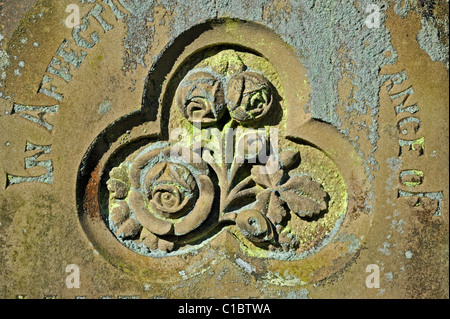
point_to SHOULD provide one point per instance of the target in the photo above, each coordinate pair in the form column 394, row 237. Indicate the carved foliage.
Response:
column 161, row 198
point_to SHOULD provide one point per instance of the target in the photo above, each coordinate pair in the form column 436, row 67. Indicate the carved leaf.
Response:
column 301, row 205
column 306, row 186
column 119, row 173
column 265, row 178
column 271, row 205
column 276, row 212
column 262, row 201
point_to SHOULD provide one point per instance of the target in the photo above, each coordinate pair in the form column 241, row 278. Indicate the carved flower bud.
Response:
column 289, row 159
column 200, row 98
column 254, row 226
column 249, row 96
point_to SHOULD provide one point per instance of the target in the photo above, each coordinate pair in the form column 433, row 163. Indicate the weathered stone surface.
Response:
column 196, row 149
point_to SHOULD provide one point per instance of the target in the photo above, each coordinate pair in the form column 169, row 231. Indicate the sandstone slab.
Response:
column 222, row 149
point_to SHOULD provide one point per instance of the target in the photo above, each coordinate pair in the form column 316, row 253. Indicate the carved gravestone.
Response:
column 197, row 149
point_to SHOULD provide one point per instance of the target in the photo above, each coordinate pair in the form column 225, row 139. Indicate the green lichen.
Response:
column 414, row 184
column 420, row 141
column 4, row 60
column 124, row 138
column 226, row 62
column 287, row 280
column 417, row 172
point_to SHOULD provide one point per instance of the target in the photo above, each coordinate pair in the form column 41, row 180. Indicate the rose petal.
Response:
column 170, row 212
column 201, row 210
column 182, row 176
column 155, row 173
column 130, row 228
column 248, row 96
column 170, row 200
column 141, row 162
column 200, row 97
column 151, row 241
column 120, row 213
column 146, row 218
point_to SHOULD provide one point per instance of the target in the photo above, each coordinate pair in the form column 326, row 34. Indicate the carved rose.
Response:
column 170, row 188
column 162, row 197
column 249, row 96
column 200, row 98
column 172, row 200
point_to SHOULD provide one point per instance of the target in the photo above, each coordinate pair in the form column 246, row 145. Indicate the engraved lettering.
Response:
column 41, row 112
column 50, row 92
column 396, row 79
column 417, row 145
column 411, row 178
column 95, row 12
column 409, row 125
column 117, row 13
column 424, row 201
column 32, row 162
column 61, row 71
column 409, row 91
column 70, row 57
